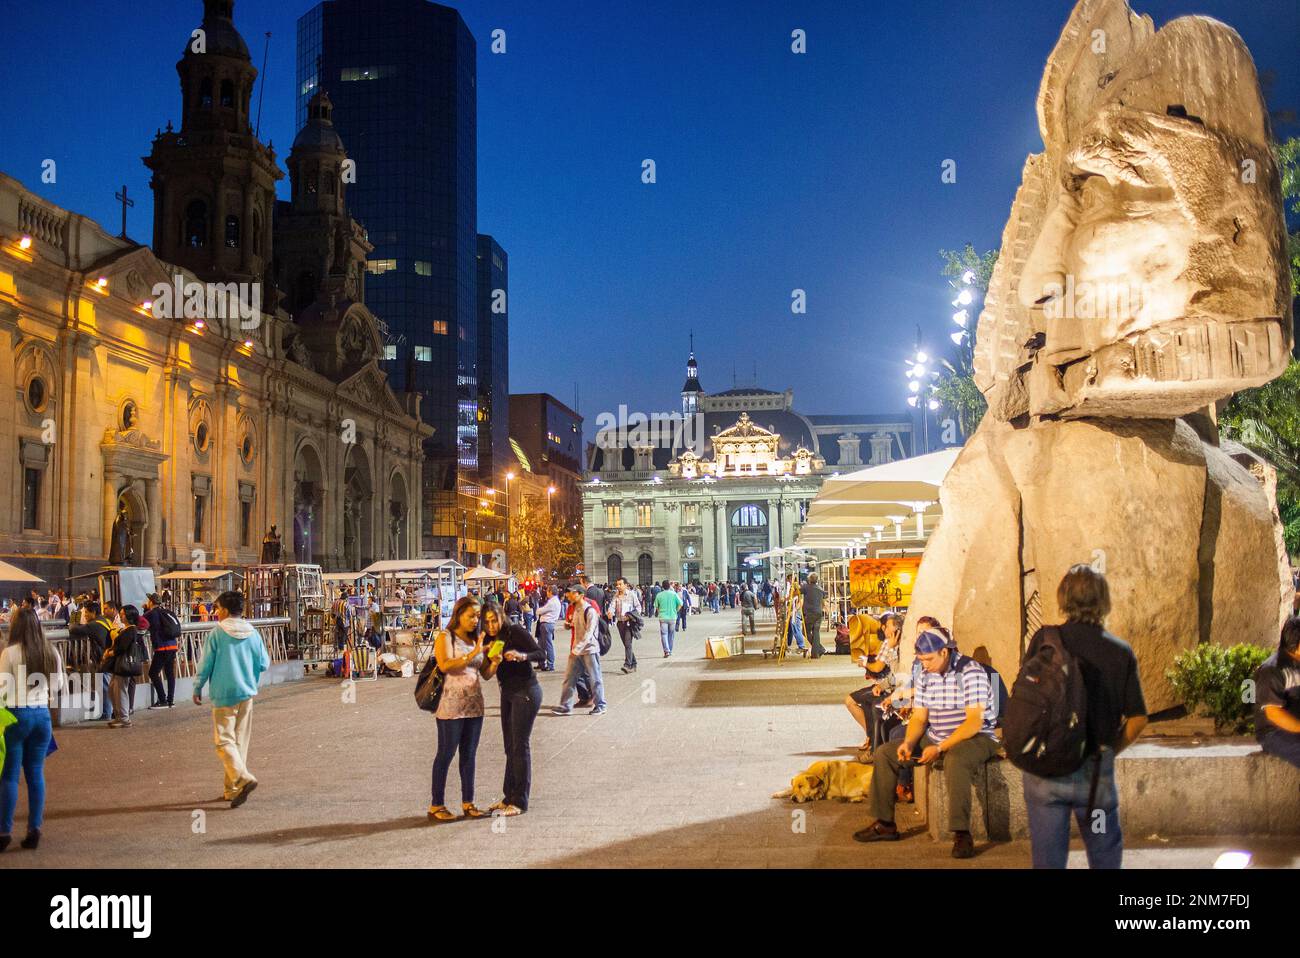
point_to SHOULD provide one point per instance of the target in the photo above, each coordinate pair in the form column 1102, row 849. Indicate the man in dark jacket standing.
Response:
column 161, row 621
column 1115, row 717
column 813, row 612
column 97, row 629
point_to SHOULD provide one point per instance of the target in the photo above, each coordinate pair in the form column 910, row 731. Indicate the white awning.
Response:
column 412, row 565
column 11, row 573
column 192, row 576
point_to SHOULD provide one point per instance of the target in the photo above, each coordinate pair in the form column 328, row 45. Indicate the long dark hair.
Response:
column 457, row 610
column 39, row 657
column 495, row 609
column 1290, row 640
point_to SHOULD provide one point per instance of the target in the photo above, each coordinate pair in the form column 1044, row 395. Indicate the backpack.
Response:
column 1045, row 726
column 171, row 626
column 132, row 661
column 603, row 637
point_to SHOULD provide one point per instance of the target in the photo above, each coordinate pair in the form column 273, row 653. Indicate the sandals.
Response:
column 510, row 811
column 440, row 813
column 472, row 811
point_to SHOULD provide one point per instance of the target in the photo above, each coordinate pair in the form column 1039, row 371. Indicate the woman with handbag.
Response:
column 27, row 739
column 521, row 699
column 124, row 661
column 458, row 652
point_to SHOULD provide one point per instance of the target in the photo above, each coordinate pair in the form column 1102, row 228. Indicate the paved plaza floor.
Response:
column 679, row 772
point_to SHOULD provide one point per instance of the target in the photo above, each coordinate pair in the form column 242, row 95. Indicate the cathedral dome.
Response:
column 318, row 132
column 220, row 35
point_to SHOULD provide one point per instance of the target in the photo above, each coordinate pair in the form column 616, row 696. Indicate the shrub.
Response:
column 1218, row 681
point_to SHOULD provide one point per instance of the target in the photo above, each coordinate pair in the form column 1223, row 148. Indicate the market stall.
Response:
column 188, row 594
column 415, row 598
column 296, row 592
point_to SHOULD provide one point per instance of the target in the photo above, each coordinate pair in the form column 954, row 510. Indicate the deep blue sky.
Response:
column 775, row 171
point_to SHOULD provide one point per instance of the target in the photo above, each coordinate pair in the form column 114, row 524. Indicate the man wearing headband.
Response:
column 949, row 720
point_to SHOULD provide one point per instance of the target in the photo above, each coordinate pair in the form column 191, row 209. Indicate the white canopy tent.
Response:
column 11, row 573
column 859, row 506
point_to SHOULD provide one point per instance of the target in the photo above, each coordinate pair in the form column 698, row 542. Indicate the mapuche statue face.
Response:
column 1143, row 273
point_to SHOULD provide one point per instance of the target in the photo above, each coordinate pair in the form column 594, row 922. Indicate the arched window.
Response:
column 232, row 232
column 227, row 93
column 748, row 516
column 205, row 93
column 614, row 567
column 645, row 569
column 195, row 232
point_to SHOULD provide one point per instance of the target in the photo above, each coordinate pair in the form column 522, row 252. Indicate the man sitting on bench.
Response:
column 950, row 718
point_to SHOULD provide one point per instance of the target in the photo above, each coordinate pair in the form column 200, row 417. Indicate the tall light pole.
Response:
column 509, row 477
column 921, row 384
column 550, row 491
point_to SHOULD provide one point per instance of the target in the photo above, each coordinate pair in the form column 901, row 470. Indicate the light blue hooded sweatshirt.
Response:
column 234, row 658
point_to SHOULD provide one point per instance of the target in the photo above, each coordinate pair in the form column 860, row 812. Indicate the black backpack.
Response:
column 1045, row 727
column 603, row 635
column 132, row 661
column 171, row 626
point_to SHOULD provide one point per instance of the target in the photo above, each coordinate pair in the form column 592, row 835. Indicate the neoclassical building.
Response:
column 225, row 380
column 734, row 482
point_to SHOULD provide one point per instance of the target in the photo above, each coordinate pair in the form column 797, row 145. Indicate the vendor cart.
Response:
column 415, row 598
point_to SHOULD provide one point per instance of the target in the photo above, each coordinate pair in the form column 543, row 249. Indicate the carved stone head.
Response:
column 1143, row 269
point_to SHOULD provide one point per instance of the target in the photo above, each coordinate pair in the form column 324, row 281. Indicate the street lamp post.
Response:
column 550, row 491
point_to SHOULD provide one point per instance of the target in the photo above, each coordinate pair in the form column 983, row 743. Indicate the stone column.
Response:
column 153, row 531
column 709, row 527
column 109, row 509
column 773, row 533
column 724, row 544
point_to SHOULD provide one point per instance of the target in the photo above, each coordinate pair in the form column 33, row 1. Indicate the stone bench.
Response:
column 1230, row 788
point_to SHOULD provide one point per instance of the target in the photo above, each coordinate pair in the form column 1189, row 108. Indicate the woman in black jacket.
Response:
column 125, row 662
column 521, row 698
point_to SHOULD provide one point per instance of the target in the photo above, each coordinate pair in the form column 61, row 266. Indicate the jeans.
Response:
column 529, row 619
column 960, row 763
column 26, row 742
column 518, row 712
column 456, row 734
column 747, row 619
column 682, row 613
column 906, row 774
column 796, row 632
column 1285, row 745
column 546, row 639
column 629, row 656
column 590, row 662
column 106, row 700
column 1051, row 802
column 814, row 633
column 666, row 629
column 163, row 662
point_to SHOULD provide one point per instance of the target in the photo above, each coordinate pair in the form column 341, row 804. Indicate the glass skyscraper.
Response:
column 401, row 75
column 493, row 361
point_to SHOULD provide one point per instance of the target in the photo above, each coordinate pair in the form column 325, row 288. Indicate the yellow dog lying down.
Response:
column 845, row 781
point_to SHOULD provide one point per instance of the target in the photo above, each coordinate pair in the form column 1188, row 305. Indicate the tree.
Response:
column 1267, row 419
column 540, row 540
column 956, row 388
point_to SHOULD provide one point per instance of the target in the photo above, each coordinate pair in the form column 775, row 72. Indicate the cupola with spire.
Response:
column 691, row 391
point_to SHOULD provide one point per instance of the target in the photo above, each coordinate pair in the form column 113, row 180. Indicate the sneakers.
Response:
column 963, row 846
column 561, row 710
column 627, row 671
column 599, row 710
column 242, row 795
column 158, row 705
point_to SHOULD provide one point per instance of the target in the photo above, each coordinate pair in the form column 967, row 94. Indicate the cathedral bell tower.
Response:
column 213, row 181
column 320, row 250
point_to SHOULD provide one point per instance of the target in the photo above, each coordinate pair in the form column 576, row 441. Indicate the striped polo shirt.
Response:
column 947, row 695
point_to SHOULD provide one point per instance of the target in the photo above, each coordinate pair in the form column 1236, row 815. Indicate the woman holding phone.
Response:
column 460, row 654
column 521, row 698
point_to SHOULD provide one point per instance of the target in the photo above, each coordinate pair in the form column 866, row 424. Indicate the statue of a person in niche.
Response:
column 271, row 547
column 121, row 550
column 395, row 516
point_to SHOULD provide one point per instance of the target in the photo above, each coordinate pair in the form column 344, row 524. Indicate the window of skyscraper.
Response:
column 440, row 327
column 423, row 268
column 424, row 354
column 377, row 266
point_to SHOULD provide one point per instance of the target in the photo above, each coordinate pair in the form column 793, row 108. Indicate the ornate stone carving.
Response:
column 1142, row 277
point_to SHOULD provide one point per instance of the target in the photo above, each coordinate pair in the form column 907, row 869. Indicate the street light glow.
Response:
column 968, row 277
column 964, row 297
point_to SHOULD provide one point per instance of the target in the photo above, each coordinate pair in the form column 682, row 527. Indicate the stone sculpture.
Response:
column 1142, row 279
column 271, row 547
column 121, row 551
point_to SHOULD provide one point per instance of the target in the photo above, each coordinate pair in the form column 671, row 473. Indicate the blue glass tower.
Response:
column 401, row 75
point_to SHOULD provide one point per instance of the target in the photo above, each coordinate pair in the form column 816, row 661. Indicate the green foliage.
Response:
column 955, row 263
column 1213, row 680
column 1288, row 161
column 956, row 388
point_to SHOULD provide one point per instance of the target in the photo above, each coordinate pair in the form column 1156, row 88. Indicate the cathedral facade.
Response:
column 191, row 395
column 729, row 478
